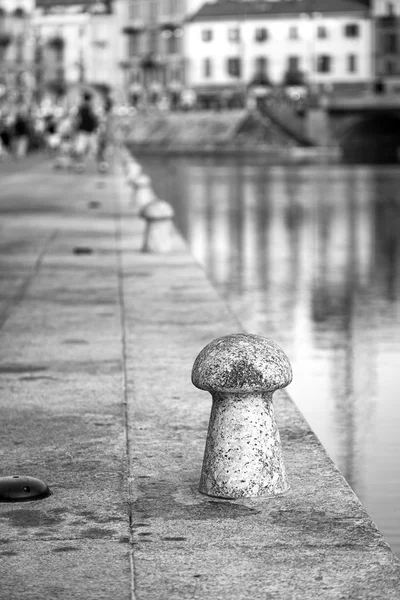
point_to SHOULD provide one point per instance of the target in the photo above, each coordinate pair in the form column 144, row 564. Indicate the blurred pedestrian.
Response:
column 21, row 133
column 65, row 133
column 105, row 136
column 86, row 125
column 51, row 136
column 5, row 137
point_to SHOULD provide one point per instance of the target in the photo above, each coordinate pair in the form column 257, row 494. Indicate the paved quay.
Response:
column 97, row 345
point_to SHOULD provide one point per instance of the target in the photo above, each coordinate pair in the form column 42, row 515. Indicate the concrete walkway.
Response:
column 97, row 345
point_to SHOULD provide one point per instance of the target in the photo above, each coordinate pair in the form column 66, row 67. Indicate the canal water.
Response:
column 309, row 255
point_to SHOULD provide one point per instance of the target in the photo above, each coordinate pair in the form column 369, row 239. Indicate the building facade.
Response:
column 155, row 62
column 16, row 49
column 78, row 42
column 387, row 44
column 229, row 45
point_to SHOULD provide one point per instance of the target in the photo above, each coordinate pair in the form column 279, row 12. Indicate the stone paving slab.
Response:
column 62, row 409
column 60, row 570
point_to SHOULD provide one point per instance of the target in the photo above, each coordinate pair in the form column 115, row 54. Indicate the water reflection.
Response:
column 309, row 255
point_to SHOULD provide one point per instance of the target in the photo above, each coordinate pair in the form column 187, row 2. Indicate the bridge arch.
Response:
column 372, row 138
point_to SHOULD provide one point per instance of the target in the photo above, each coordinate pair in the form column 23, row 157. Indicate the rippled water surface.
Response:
column 309, row 255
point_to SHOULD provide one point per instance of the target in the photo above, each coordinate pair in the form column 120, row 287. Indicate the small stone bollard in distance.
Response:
column 243, row 456
column 134, row 171
column 158, row 235
column 126, row 159
column 143, row 193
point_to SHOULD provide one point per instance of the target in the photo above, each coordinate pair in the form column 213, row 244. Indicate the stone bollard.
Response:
column 126, row 158
column 243, row 455
column 134, row 171
column 143, row 193
column 158, row 235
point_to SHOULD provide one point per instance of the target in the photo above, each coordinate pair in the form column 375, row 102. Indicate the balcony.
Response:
column 151, row 62
column 5, row 40
column 294, row 78
column 170, row 23
column 134, row 28
column 56, row 43
column 388, row 22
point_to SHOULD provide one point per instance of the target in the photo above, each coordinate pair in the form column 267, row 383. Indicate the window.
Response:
column 293, row 33
column 176, row 7
column 322, row 32
column 153, row 41
column 352, row 30
column 135, row 10
column 176, row 74
column 293, row 63
column 234, row 67
column 389, row 68
column 261, row 34
column 207, row 68
column 207, row 35
column 390, row 43
column 172, row 44
column 172, row 40
column 324, row 63
column 134, row 44
column 352, row 63
column 260, row 64
column 151, row 7
column 234, row 35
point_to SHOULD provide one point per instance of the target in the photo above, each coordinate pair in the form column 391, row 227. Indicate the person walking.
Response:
column 86, row 126
column 4, row 138
column 51, row 136
column 105, row 142
column 21, row 133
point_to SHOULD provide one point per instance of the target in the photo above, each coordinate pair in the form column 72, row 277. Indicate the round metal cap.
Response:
column 19, row 488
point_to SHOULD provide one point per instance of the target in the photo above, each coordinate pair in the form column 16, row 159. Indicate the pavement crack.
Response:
column 23, row 288
column 121, row 297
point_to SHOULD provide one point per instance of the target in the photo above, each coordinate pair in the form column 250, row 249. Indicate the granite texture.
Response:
column 134, row 173
column 64, row 570
column 241, row 363
column 158, row 210
column 144, row 193
column 243, row 455
column 159, row 231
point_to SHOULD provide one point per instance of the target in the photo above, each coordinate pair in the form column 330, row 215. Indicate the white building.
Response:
column 154, row 59
column 79, row 41
column 228, row 43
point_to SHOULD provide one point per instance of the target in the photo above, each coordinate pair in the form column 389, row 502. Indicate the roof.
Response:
column 225, row 9
column 55, row 3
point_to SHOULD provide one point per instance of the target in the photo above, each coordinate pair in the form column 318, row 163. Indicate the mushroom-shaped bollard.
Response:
column 158, row 235
column 126, row 158
column 143, row 192
column 134, row 172
column 243, row 456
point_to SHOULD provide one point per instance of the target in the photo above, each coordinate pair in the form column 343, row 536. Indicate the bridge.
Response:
column 366, row 128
